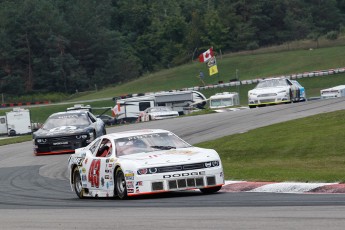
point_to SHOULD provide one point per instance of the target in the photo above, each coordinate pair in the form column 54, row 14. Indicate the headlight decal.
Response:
column 175, row 168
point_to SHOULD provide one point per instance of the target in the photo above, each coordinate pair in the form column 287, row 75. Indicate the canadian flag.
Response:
column 204, row 57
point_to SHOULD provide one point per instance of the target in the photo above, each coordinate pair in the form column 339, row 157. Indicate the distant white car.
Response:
column 273, row 91
column 142, row 162
column 158, row 113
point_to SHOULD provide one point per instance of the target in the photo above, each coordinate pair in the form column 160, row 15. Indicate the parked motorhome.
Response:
column 129, row 108
column 225, row 99
column 334, row 92
column 16, row 122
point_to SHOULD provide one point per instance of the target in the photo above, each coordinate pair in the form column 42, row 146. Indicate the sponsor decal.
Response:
column 112, row 160
column 139, row 183
column 182, row 175
column 137, row 190
column 106, row 177
column 129, row 174
column 107, row 161
column 84, row 185
column 130, row 186
column 83, row 170
column 110, row 165
column 63, row 128
column 130, row 190
column 102, row 182
column 83, row 177
column 79, row 161
column 61, row 143
column 106, row 171
column 86, row 160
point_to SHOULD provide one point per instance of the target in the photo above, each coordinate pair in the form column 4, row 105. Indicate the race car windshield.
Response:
column 66, row 120
column 271, row 83
column 148, row 143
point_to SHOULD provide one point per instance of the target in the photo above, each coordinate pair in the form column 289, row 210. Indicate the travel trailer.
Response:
column 225, row 99
column 334, row 92
column 15, row 122
column 129, row 108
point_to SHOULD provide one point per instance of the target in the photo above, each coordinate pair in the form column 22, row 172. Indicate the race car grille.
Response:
column 267, row 95
column 267, row 100
column 211, row 180
column 172, row 184
column 180, row 167
column 182, row 183
column 56, row 144
column 66, row 138
column 186, row 183
column 157, row 186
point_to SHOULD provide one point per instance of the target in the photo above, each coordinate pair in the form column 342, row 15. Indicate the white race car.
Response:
column 273, row 91
column 158, row 113
column 143, row 162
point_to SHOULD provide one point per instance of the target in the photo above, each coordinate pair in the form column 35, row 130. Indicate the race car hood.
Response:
column 166, row 157
column 268, row 90
column 61, row 130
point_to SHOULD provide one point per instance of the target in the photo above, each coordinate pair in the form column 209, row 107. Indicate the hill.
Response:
column 248, row 65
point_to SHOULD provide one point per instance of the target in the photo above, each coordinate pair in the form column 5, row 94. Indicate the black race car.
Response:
column 64, row 132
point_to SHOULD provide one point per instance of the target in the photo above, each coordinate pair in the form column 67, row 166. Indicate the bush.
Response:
column 332, row 35
column 252, row 46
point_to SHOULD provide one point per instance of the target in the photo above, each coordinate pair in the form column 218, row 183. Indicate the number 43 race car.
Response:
column 143, row 162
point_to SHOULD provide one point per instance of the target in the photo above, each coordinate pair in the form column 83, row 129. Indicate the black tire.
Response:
column 77, row 183
column 104, row 131
column 12, row 132
column 120, row 184
column 252, row 106
column 291, row 96
column 210, row 190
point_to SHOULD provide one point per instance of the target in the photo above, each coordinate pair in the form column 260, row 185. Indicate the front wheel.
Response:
column 78, row 188
column 210, row 190
column 120, row 184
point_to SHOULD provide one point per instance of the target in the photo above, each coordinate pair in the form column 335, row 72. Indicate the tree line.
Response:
column 69, row 45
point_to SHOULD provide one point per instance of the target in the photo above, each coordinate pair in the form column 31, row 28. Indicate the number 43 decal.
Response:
column 94, row 173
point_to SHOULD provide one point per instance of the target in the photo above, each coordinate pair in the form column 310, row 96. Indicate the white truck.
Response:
column 16, row 122
column 128, row 109
column 225, row 99
column 334, row 92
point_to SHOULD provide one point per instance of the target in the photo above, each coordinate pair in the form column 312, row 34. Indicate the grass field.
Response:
column 308, row 149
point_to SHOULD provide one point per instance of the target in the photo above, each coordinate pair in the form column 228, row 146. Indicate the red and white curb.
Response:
column 283, row 187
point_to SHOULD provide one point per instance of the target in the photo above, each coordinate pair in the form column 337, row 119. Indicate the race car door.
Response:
column 100, row 170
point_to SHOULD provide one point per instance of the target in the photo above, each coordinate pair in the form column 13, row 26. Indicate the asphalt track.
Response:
column 35, row 193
